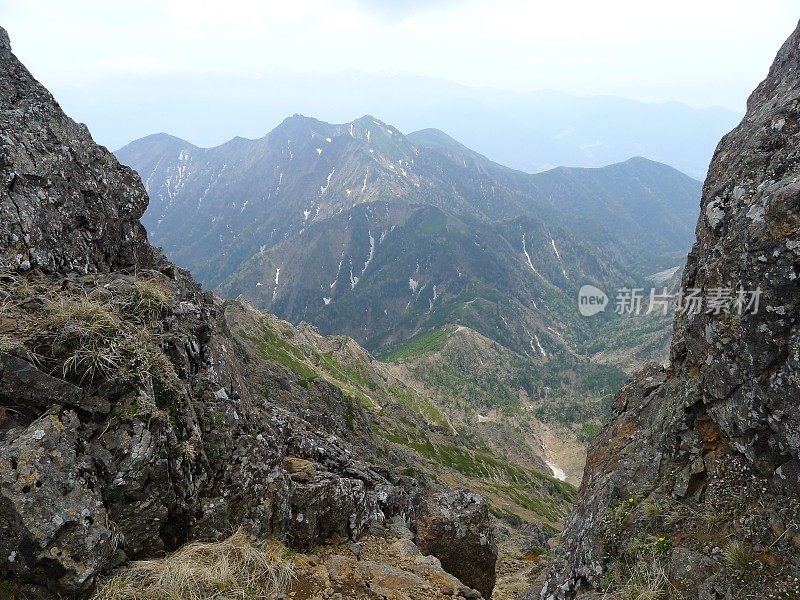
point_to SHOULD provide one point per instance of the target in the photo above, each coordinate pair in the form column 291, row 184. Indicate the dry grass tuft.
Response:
column 234, row 568
column 85, row 334
column 89, row 339
column 648, row 581
column 738, row 555
column 741, row 561
column 83, row 316
column 148, row 298
column 16, row 289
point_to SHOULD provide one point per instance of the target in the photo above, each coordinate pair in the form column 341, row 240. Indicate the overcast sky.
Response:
column 698, row 52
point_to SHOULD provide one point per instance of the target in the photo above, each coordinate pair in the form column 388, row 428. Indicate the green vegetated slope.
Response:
column 406, row 419
column 508, row 401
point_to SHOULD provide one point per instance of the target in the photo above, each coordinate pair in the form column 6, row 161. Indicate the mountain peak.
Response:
column 646, row 165
column 368, row 119
column 166, row 138
column 298, row 118
column 433, row 137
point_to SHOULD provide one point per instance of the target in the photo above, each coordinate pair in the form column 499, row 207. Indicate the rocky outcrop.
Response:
column 703, row 457
column 98, row 471
column 454, row 525
column 65, row 202
column 132, row 419
column 382, row 566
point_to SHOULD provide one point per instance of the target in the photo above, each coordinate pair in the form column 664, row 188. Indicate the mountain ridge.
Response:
column 530, row 131
column 510, row 206
column 372, row 185
column 389, row 239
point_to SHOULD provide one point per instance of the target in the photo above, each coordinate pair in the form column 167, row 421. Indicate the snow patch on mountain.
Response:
column 528, row 256
column 371, row 253
column 558, row 256
column 323, row 188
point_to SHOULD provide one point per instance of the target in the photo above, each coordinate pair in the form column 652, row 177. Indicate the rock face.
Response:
column 132, row 419
column 65, row 202
column 704, row 457
column 455, row 525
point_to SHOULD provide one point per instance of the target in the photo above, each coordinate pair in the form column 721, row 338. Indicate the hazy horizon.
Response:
column 122, row 68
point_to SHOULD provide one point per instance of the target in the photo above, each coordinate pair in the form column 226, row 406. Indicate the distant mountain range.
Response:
column 403, row 241
column 529, row 131
column 365, row 231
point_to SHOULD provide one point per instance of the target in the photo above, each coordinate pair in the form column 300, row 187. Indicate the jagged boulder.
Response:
column 455, row 528
column 53, row 525
column 702, row 457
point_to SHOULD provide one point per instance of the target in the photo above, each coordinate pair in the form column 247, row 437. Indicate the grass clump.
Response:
column 233, row 568
column 737, row 555
column 741, row 561
column 16, row 289
column 87, row 339
column 647, row 581
column 86, row 335
column 148, row 298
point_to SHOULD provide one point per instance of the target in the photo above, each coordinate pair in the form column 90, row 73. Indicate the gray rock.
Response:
column 26, row 391
column 53, row 525
column 689, row 570
column 355, row 548
column 535, row 538
column 455, row 527
column 55, row 182
column 399, row 528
